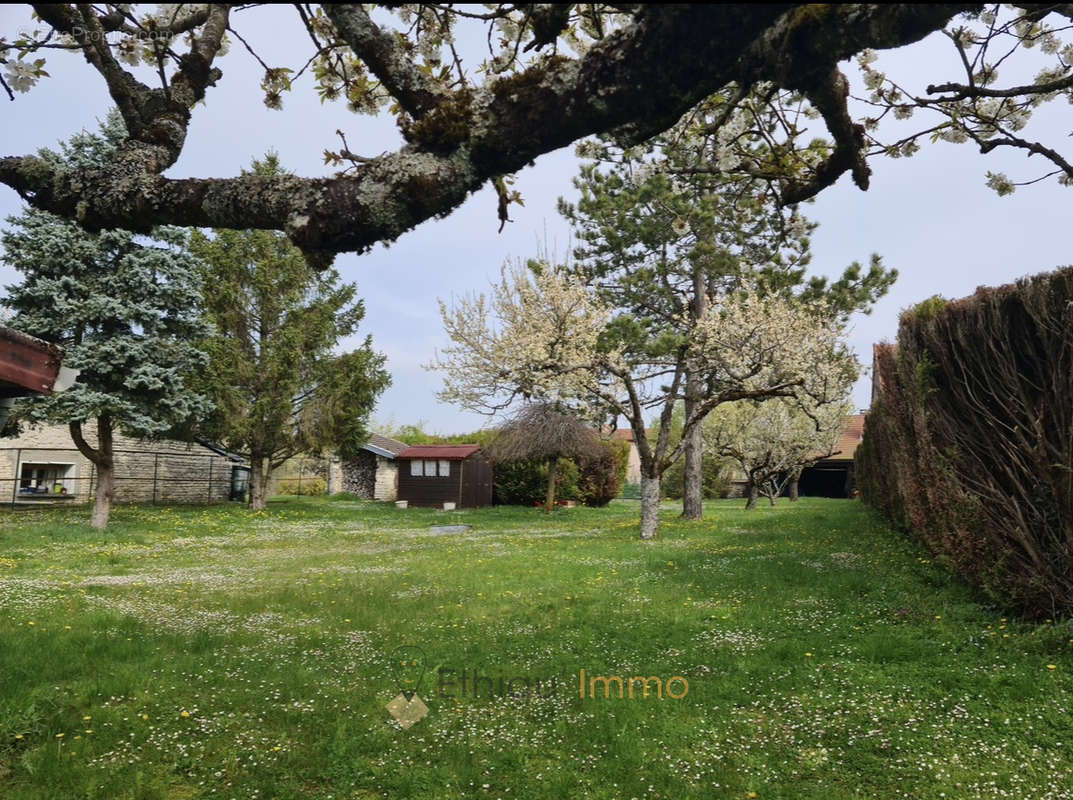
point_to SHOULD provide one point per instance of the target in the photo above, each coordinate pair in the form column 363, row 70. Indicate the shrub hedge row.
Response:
column 592, row 481
column 969, row 441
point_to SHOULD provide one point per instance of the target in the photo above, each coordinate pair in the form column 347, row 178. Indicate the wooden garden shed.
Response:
column 431, row 475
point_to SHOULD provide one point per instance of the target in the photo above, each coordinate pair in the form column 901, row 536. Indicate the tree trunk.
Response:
column 752, row 492
column 693, row 488
column 103, row 459
column 258, row 484
column 771, row 496
column 794, row 480
column 553, row 475
column 649, row 506
column 102, row 499
column 693, row 484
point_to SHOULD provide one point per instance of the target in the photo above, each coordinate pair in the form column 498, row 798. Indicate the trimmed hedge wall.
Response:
column 969, row 441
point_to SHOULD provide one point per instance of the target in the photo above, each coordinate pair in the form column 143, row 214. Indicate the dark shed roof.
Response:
column 446, row 451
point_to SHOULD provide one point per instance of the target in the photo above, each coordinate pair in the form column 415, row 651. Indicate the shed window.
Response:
column 427, row 468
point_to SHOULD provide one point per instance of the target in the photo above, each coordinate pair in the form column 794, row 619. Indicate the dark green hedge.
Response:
column 969, row 441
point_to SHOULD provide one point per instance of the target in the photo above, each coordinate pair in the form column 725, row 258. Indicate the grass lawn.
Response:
column 215, row 652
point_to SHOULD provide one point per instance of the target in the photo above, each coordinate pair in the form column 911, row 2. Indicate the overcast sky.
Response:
column 931, row 216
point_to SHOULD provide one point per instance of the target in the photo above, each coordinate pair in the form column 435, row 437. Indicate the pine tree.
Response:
column 278, row 388
column 663, row 245
column 125, row 310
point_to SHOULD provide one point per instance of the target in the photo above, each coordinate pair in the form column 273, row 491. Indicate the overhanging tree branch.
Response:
column 461, row 140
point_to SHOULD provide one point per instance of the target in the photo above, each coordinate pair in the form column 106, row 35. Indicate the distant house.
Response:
column 633, row 465
column 373, row 475
column 43, row 465
column 833, row 476
column 431, row 475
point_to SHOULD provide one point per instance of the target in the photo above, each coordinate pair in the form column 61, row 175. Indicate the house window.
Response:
column 445, row 468
column 46, row 478
column 415, row 468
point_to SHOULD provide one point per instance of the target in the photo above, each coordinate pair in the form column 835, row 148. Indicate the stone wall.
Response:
column 387, row 482
column 164, row 471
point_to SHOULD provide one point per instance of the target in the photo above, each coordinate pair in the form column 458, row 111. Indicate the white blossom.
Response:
column 1000, row 183
column 20, row 75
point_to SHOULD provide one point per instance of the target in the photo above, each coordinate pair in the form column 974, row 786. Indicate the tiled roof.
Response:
column 385, row 444
column 850, row 438
column 447, row 451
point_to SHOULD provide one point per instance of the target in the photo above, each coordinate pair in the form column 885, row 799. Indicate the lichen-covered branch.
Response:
column 457, row 141
column 386, row 58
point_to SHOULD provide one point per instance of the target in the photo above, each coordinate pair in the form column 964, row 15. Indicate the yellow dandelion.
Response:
column 31, row 623
column 89, row 730
column 145, row 716
column 86, row 718
column 1052, row 666
column 18, row 736
column 60, row 735
column 808, row 655
column 184, row 714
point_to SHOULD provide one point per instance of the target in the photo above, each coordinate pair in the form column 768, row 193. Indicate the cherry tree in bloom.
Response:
column 772, row 442
column 544, row 334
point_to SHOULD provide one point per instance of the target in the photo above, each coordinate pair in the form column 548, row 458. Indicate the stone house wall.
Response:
column 387, row 479
column 146, row 471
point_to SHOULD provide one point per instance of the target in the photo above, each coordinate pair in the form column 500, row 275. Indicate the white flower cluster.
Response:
column 544, row 340
column 755, row 341
column 20, row 75
column 1001, row 184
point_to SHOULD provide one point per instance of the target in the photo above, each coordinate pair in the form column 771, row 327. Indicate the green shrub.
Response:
column 525, row 483
column 601, row 478
column 714, row 482
column 309, row 486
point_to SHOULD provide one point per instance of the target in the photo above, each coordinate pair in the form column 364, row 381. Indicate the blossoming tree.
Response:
column 546, row 332
column 772, row 442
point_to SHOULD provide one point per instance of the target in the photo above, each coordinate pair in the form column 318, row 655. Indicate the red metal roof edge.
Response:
column 445, row 451
column 28, row 363
column 30, row 341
